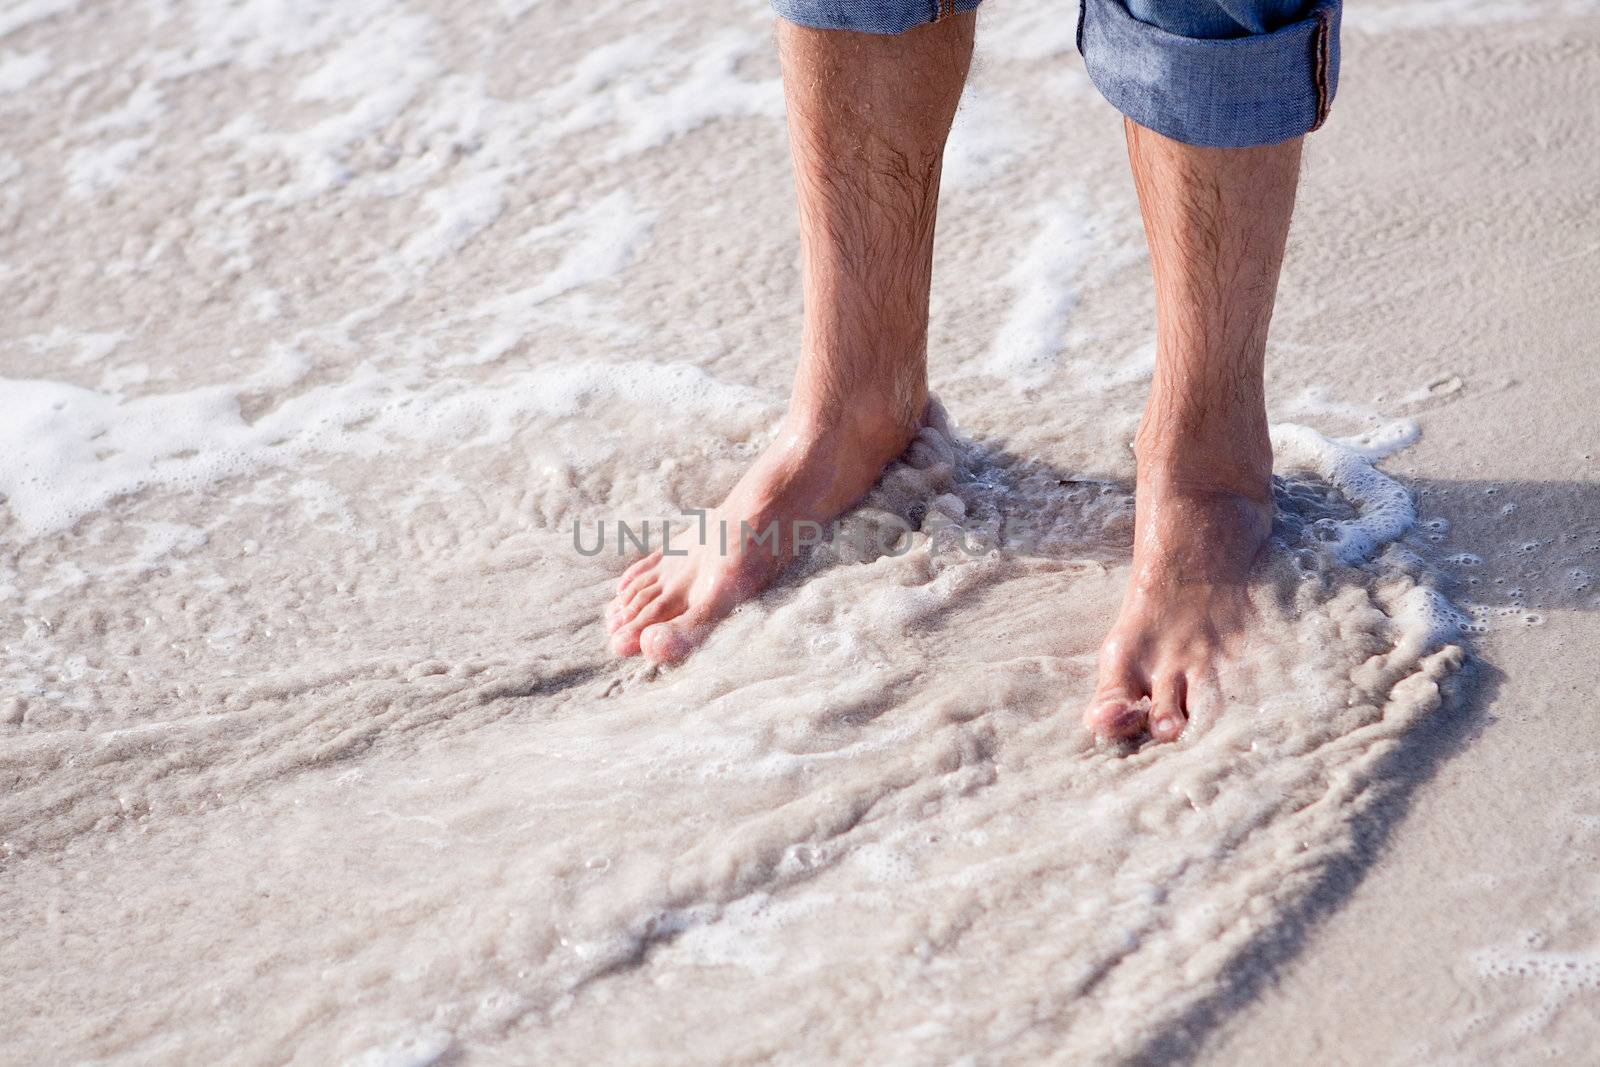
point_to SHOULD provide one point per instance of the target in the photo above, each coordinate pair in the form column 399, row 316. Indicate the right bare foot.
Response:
column 665, row 605
column 868, row 116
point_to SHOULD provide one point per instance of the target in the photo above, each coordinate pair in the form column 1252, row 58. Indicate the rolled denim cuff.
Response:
column 1218, row 92
column 868, row 16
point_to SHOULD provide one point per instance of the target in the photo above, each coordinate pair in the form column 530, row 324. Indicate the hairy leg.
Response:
column 868, row 118
column 1216, row 220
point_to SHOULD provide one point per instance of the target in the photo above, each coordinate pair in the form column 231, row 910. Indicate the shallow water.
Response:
column 333, row 321
column 414, row 806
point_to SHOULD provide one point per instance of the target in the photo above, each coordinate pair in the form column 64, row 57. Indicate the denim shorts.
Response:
column 1220, row 73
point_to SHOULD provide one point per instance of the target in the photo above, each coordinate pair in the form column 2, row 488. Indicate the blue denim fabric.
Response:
column 1227, row 73
column 869, row 16
column 1221, row 73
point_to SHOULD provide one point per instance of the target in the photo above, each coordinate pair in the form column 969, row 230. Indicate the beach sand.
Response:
column 338, row 333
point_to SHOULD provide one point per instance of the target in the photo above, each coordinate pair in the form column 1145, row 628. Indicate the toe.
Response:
column 625, row 639
column 638, row 568
column 643, row 593
column 1117, row 709
column 671, row 642
column 627, row 604
column 1116, row 716
column 1168, row 712
column 637, row 585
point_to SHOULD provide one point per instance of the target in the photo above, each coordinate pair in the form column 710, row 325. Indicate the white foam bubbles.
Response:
column 69, row 451
column 22, row 13
column 986, row 138
column 1384, row 507
column 1572, row 970
column 1426, row 617
column 1383, row 441
column 1028, row 31
column 94, row 168
column 604, row 237
column 707, row 88
column 66, row 451
column 18, row 70
column 421, row 1049
column 462, row 211
column 1071, row 250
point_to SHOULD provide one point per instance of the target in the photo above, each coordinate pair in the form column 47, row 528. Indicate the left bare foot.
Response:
column 1196, row 541
column 1216, row 220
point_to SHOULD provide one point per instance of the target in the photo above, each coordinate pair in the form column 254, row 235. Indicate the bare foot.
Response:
column 1216, row 221
column 665, row 605
column 868, row 116
column 1195, row 545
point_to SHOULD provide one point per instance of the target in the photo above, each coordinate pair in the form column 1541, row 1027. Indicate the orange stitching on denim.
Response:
column 1319, row 57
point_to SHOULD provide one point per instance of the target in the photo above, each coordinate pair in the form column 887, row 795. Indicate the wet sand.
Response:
column 329, row 325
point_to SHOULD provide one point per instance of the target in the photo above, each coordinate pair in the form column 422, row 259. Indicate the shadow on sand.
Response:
column 1497, row 532
column 1419, row 756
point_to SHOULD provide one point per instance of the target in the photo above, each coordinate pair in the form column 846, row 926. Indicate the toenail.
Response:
column 1167, row 727
column 1123, row 720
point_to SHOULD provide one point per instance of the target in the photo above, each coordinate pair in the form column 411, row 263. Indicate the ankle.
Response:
column 1237, row 463
column 877, row 423
column 875, row 439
